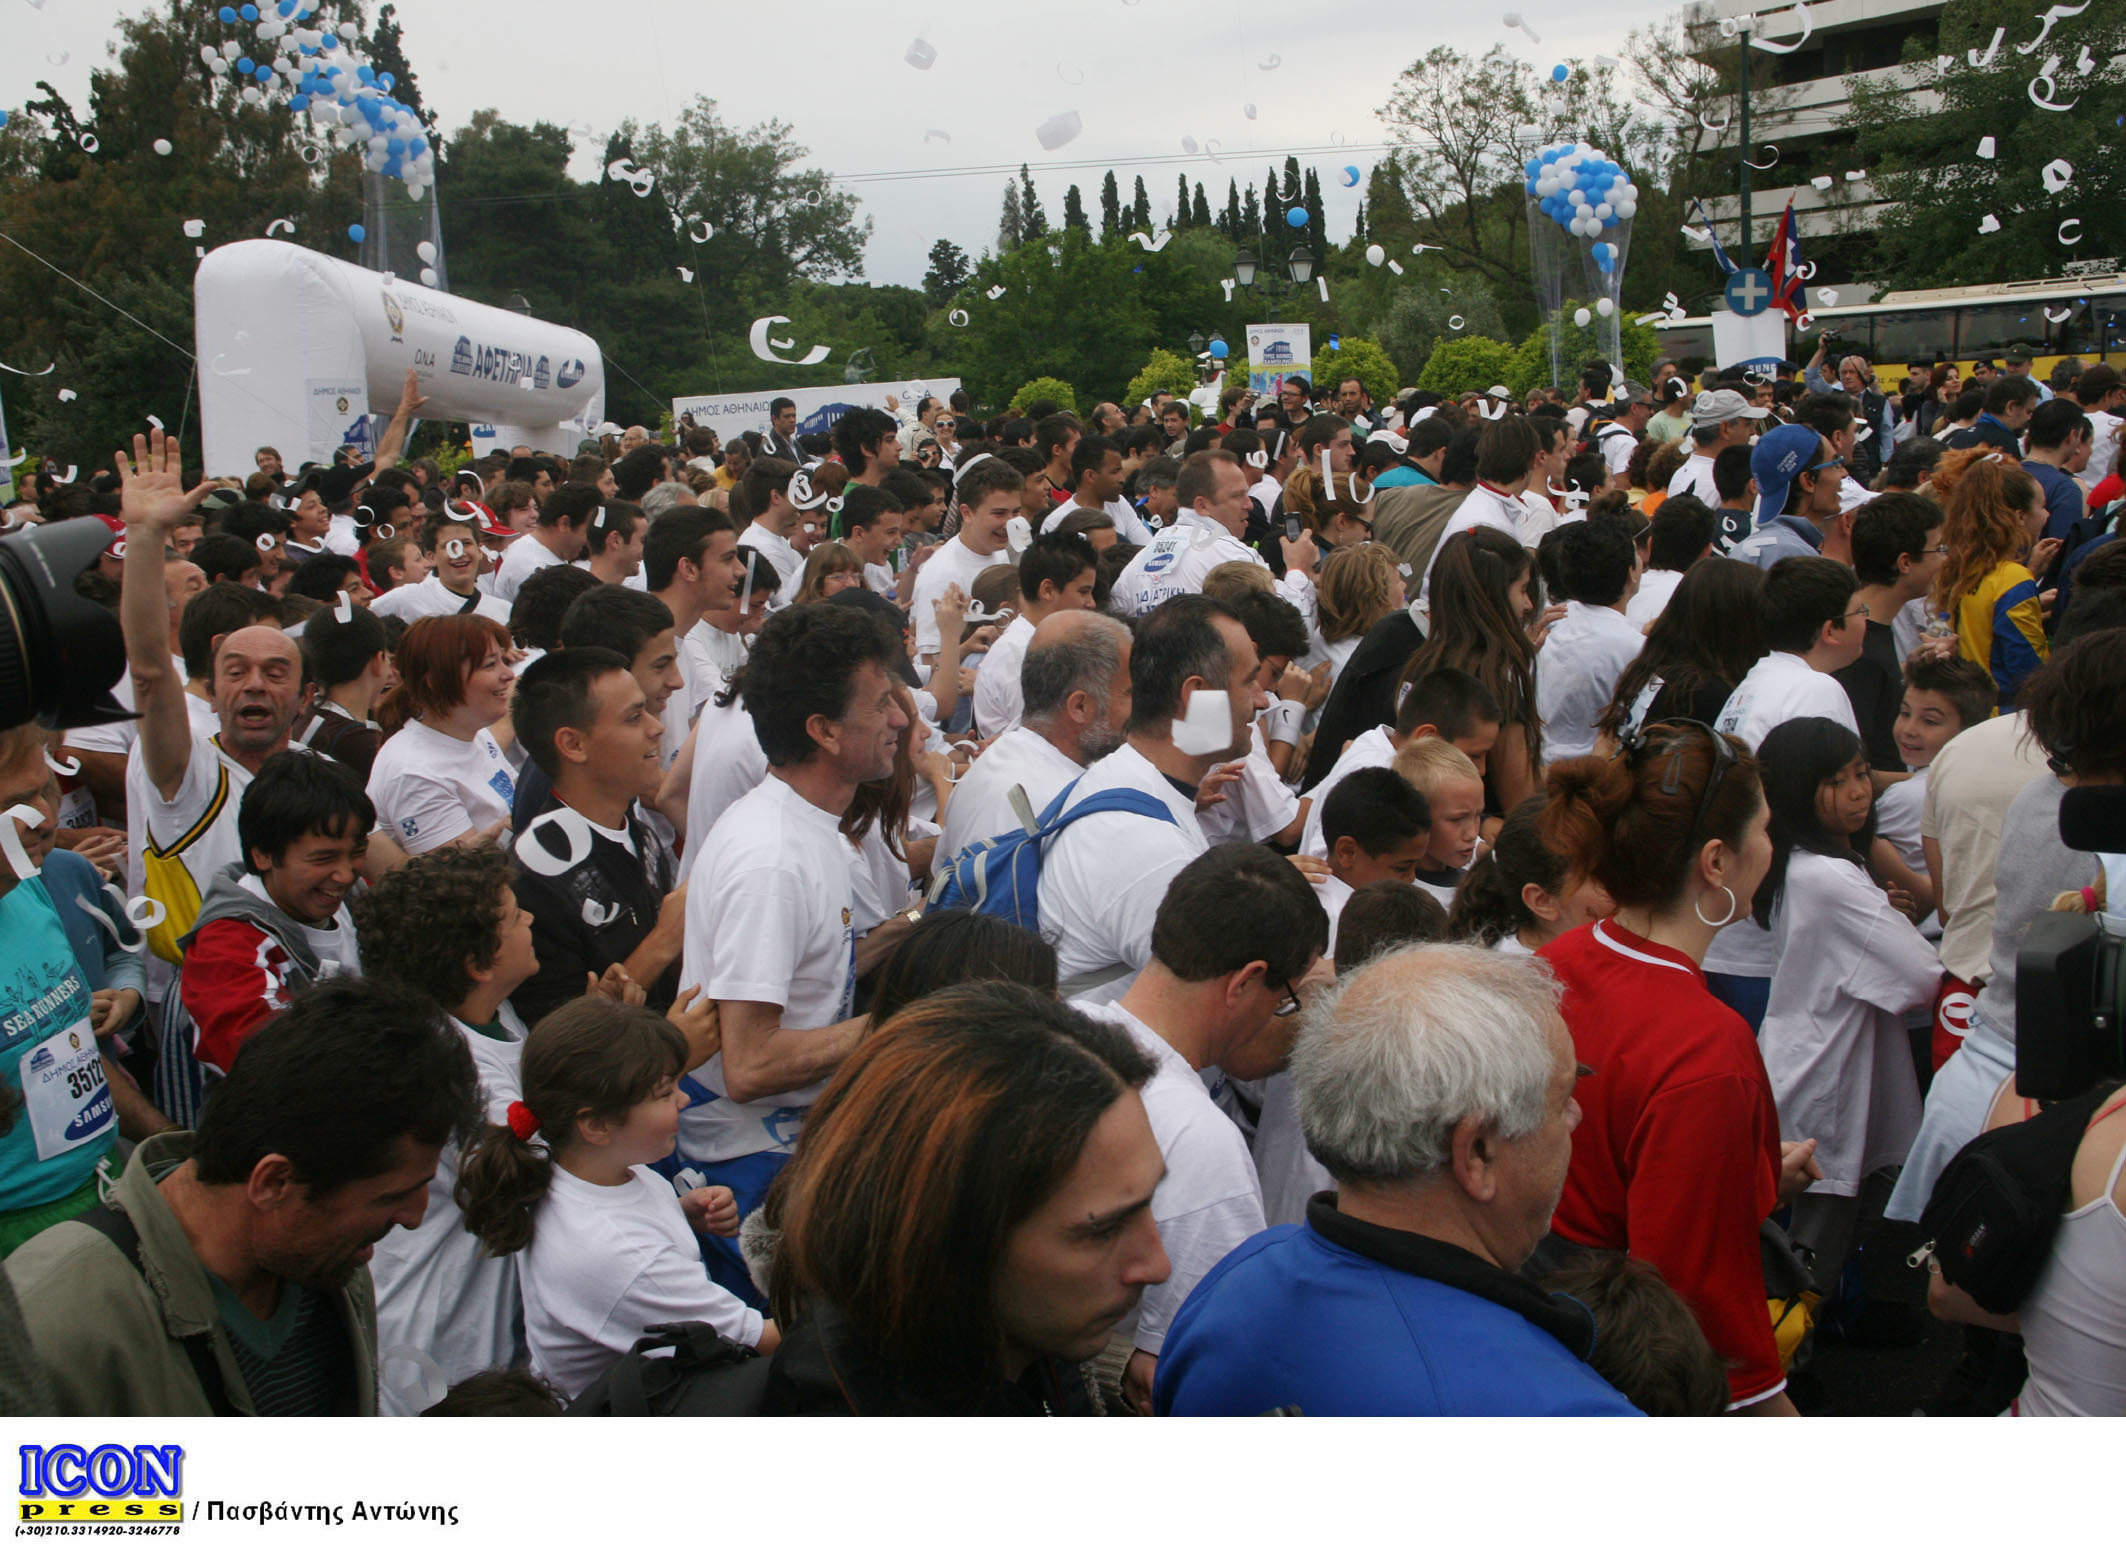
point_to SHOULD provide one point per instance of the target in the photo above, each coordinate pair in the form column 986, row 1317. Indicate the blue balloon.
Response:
column 298, row 103
column 1559, row 73
column 385, row 81
column 327, row 42
column 249, row 13
column 228, row 15
column 357, row 232
column 1296, row 217
column 1219, row 348
column 366, row 74
column 246, row 67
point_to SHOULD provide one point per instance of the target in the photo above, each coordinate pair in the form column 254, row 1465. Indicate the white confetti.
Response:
column 1059, row 131
column 2057, row 175
column 937, row 135
column 65, row 768
column 920, row 54
column 1989, row 223
column 1827, row 296
column 1396, row 266
column 686, row 275
column 1149, row 244
column 1515, row 19
column 277, row 224
column 2076, row 224
column 1808, row 27
column 195, row 228
column 155, row 423
column 2057, row 13
column 1227, row 283
column 575, row 833
column 164, row 148
column 957, row 317
column 39, row 374
column 1855, row 175
column 1070, row 75
column 18, row 857
column 700, row 229
column 344, row 612
column 2060, row 318
column 996, row 293
column 597, row 915
column 1188, row 144
column 1323, row 282
column 1762, row 166
column 2048, row 102
column 758, row 339
column 1271, row 63
column 2084, row 62
column 68, row 395
column 1821, row 181
column 1248, row 109
column 1986, row 147
column 1455, row 322
column 1993, row 48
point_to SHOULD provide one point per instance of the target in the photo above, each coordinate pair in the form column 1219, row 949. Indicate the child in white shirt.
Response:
column 604, row 1249
column 1453, row 788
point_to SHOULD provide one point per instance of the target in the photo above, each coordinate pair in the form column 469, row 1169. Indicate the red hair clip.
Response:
column 521, row 1120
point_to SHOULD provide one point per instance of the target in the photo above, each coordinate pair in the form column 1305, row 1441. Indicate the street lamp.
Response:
column 1196, row 342
column 1249, row 276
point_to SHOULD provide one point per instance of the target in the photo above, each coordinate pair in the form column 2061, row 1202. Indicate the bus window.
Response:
column 1995, row 329
column 1920, row 336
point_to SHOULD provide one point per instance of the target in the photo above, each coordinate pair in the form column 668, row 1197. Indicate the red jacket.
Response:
column 1676, row 1158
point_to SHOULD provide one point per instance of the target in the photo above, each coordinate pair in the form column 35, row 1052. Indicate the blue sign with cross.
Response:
column 1749, row 291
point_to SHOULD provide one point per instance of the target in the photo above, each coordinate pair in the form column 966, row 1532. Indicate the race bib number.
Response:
column 65, row 1091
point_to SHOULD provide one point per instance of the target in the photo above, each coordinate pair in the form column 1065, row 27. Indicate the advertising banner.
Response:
column 817, row 407
column 1275, row 351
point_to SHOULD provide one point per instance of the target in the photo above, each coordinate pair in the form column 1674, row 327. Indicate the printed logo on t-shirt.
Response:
column 410, row 827
column 499, row 782
column 782, row 1125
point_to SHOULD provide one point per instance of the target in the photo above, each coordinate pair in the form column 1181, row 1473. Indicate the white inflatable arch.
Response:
column 297, row 349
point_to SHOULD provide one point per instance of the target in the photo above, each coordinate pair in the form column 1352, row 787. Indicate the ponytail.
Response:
column 591, row 1056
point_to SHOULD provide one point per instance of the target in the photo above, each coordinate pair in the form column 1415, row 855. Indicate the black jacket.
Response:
column 1364, row 695
column 631, row 886
column 821, row 1371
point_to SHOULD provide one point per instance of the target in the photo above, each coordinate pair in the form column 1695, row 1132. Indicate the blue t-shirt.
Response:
column 48, row 1051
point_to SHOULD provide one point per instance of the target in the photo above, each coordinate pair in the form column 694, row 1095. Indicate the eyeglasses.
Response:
column 1852, row 611
column 1826, row 465
column 1289, row 1006
column 1942, row 550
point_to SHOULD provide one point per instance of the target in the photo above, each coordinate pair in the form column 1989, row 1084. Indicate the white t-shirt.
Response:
column 1334, row 894
column 981, row 802
column 1970, row 785
column 1650, row 600
column 1898, row 811
column 1695, row 476
column 788, row 562
column 1782, row 687
column 1483, row 506
column 1833, row 1036
column 605, row 1264
column 728, row 765
column 1374, row 749
column 1256, row 806
column 1210, row 1200
column 772, row 920
column 176, row 848
column 1290, row 1175
column 879, row 884
column 1129, row 524
column 1104, row 876
column 432, row 598
column 955, row 563
column 1266, row 491
column 1177, row 562
column 436, row 1288
column 1576, row 675
column 120, row 735
column 523, row 558
column 998, row 698
column 1779, row 688
column 1617, row 444
column 711, row 656
column 430, row 788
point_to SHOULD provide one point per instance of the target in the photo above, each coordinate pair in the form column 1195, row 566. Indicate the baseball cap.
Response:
column 1629, row 392
column 1779, row 456
column 339, row 482
column 1714, row 407
column 1394, row 441
column 1499, row 392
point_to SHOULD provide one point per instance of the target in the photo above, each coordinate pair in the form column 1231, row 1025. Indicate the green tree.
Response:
column 1231, row 223
column 1918, row 144
column 1074, row 210
column 1165, row 370
column 1140, row 209
column 1199, row 211
column 1033, row 221
column 1580, row 344
column 947, row 273
column 1045, row 388
column 1011, row 225
column 1250, row 220
column 1181, row 205
column 1420, row 315
column 1110, row 206
column 1364, row 360
column 1464, row 363
column 387, row 52
column 1317, row 223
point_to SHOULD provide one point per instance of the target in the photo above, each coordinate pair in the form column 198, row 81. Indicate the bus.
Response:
column 2076, row 316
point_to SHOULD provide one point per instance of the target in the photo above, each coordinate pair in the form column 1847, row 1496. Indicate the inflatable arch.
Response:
column 297, row 349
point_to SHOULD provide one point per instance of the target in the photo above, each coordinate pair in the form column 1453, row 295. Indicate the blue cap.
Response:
column 1779, row 456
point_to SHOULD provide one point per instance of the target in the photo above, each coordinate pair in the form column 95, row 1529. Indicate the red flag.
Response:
column 1783, row 263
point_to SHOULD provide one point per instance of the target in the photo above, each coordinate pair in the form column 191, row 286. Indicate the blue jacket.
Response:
column 1777, row 537
column 1339, row 1317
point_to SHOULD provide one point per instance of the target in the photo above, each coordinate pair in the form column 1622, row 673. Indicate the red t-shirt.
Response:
column 1676, row 1158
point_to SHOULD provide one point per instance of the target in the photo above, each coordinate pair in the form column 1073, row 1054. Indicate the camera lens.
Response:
column 60, row 653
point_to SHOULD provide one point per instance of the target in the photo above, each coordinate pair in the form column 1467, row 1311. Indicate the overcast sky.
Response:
column 1141, row 76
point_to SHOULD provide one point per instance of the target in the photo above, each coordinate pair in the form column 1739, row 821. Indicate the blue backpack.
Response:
column 1002, row 876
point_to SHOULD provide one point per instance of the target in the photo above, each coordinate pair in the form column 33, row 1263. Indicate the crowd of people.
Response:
column 1465, row 905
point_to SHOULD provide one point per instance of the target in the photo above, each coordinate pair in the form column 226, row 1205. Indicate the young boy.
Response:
column 276, row 922
column 1445, row 703
column 1378, row 828
column 1453, row 789
column 1896, row 556
column 451, row 581
column 1942, row 697
column 990, row 493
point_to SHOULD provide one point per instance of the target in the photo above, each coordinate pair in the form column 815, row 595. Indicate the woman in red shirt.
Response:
column 1677, row 1158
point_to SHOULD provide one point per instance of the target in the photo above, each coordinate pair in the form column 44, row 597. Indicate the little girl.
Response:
column 1849, row 965
column 1521, row 896
column 603, row 1246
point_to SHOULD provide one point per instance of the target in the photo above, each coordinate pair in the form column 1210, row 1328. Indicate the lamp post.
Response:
column 1249, row 277
column 1196, row 343
column 1743, row 87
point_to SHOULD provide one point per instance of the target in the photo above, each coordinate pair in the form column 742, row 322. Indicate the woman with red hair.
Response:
column 441, row 777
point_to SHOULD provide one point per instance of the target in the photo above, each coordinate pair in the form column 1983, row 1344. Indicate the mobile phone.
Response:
column 1292, row 527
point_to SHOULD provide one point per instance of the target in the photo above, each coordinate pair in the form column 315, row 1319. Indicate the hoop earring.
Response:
column 1732, row 905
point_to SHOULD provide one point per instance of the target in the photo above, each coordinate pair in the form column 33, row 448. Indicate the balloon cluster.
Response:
column 317, row 65
column 1580, row 189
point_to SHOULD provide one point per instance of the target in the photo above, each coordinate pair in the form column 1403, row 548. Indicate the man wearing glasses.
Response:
column 1798, row 477
column 1232, row 949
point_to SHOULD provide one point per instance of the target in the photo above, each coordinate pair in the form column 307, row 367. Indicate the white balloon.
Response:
column 1604, row 307
column 1582, row 318
column 1605, row 210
